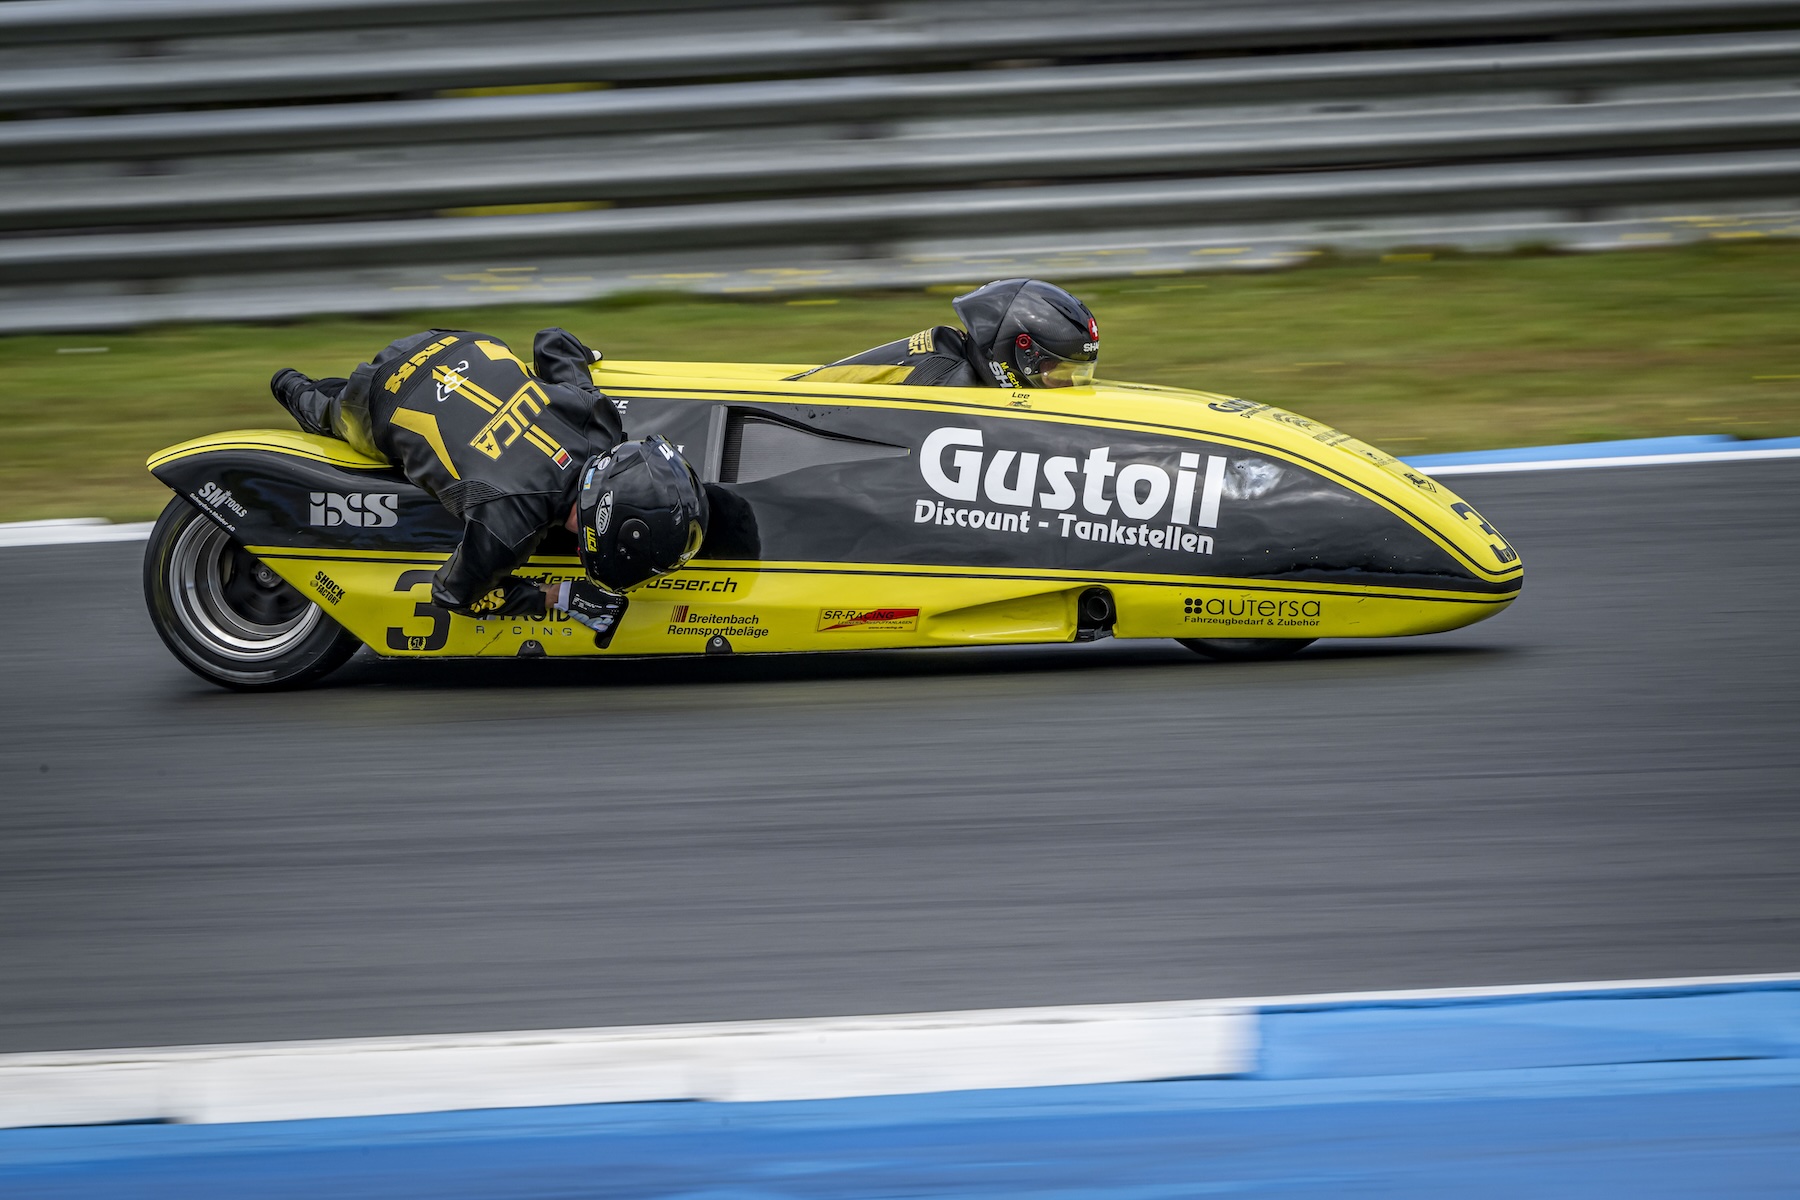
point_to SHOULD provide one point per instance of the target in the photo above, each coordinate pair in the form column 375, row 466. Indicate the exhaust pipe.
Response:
column 1094, row 615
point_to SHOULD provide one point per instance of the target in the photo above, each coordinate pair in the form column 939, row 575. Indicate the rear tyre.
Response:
column 229, row 618
column 1246, row 649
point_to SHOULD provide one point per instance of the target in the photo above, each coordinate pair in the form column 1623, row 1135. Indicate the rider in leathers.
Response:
column 501, row 445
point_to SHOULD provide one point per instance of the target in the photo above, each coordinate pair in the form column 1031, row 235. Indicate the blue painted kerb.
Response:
column 1530, row 1032
column 1672, row 1091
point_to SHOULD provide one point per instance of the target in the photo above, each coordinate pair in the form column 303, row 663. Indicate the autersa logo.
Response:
column 368, row 510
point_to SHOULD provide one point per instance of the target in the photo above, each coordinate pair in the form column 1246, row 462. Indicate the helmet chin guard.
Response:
column 1031, row 333
column 641, row 512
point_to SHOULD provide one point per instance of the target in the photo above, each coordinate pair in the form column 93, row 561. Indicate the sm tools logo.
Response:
column 219, row 497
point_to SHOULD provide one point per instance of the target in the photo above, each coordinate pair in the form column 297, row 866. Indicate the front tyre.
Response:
column 227, row 616
column 1246, row 649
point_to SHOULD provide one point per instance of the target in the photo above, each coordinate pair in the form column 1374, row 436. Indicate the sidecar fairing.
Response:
column 860, row 516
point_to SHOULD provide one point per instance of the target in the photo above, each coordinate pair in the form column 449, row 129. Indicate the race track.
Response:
column 1599, row 783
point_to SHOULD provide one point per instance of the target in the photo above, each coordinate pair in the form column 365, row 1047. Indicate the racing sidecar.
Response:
column 852, row 517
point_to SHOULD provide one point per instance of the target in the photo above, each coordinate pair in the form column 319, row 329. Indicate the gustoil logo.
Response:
column 367, row 510
column 1165, row 504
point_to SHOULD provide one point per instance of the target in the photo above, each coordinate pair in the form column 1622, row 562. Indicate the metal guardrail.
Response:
column 771, row 39
column 1234, row 23
column 49, row 21
column 1283, row 78
column 499, row 174
column 1218, row 113
column 903, row 215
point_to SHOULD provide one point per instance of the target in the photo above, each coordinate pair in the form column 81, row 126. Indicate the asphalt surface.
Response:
column 1602, row 782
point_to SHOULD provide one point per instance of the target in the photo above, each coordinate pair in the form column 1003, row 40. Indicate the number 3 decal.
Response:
column 398, row 638
column 1503, row 551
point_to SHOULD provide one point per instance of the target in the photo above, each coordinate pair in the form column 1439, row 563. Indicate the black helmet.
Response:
column 1030, row 333
column 641, row 512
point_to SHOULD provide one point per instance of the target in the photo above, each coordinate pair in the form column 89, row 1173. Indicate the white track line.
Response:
column 1627, row 460
column 71, row 531
column 1427, row 995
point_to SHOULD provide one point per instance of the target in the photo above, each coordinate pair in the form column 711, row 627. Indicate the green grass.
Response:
column 1415, row 355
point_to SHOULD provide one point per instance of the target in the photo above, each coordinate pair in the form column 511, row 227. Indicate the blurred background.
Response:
column 826, row 176
column 1440, row 225
column 227, row 160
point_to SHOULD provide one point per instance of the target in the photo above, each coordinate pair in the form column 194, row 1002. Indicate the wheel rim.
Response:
column 231, row 604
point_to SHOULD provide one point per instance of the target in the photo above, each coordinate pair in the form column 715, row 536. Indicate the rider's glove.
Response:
column 514, row 597
column 588, row 605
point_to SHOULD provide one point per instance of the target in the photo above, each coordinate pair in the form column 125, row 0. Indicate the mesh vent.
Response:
column 465, row 494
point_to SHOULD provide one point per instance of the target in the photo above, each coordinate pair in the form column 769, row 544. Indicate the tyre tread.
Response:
column 323, row 652
column 1246, row 649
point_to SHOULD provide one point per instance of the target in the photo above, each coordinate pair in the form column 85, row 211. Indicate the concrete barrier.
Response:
column 738, row 1061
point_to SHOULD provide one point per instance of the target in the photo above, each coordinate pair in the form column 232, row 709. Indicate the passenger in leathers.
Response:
column 501, row 445
column 1020, row 333
column 935, row 357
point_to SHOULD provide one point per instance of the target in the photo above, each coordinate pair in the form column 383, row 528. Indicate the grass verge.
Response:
column 1413, row 353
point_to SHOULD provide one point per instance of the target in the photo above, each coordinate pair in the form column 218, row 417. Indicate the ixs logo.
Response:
column 686, row 621
column 867, row 620
column 684, row 583
column 1155, row 506
column 1248, row 610
column 217, row 497
column 366, row 510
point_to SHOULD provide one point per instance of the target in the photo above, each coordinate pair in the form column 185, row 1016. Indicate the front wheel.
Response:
column 1246, row 649
column 227, row 616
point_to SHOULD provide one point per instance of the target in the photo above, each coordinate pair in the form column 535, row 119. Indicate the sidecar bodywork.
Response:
column 860, row 516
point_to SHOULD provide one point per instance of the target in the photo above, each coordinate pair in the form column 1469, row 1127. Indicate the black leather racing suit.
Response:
column 937, row 357
column 501, row 446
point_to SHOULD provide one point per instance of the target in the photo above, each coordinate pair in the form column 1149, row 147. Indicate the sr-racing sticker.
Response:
column 861, row 620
